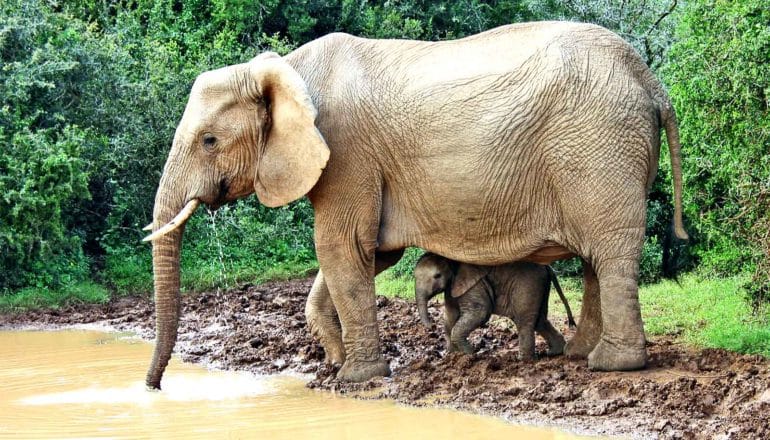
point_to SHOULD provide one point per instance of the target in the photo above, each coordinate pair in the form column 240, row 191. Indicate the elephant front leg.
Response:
column 349, row 275
column 323, row 322
column 470, row 319
column 590, row 325
column 322, row 316
column 451, row 315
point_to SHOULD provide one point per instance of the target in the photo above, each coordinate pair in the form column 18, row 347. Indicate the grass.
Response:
column 204, row 278
column 38, row 298
column 132, row 274
column 706, row 312
column 394, row 285
column 700, row 311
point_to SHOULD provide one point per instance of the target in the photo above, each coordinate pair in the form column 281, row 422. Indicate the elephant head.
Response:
column 246, row 128
column 434, row 274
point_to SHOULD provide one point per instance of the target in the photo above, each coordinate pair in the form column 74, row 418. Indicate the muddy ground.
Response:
column 684, row 393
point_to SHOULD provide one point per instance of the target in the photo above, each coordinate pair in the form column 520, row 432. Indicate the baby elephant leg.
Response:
column 469, row 320
column 552, row 336
column 451, row 315
column 526, row 341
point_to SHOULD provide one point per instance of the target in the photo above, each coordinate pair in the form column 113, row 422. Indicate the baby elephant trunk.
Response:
column 422, row 297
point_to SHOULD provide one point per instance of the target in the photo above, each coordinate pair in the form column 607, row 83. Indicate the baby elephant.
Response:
column 472, row 293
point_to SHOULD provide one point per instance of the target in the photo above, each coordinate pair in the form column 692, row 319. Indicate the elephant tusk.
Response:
column 176, row 222
column 147, row 228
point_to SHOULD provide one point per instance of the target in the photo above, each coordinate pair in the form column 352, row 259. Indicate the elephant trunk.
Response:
column 422, row 297
column 165, row 263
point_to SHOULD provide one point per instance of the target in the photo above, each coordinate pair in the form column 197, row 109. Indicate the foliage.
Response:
column 248, row 239
column 43, row 168
column 406, row 264
column 39, row 176
column 719, row 77
column 242, row 242
column 88, row 97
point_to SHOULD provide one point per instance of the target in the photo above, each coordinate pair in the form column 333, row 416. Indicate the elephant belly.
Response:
column 549, row 253
column 471, row 233
column 465, row 243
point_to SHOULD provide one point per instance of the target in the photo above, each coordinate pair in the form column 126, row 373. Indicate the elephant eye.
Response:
column 437, row 276
column 209, row 140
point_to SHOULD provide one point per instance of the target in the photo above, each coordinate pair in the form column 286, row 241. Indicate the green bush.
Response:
column 48, row 63
column 240, row 242
column 87, row 103
column 247, row 237
column 406, row 264
column 41, row 174
column 43, row 169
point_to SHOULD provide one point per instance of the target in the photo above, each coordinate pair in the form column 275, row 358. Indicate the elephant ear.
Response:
column 295, row 153
column 467, row 276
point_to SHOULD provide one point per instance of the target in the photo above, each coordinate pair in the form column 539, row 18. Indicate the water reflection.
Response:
column 89, row 385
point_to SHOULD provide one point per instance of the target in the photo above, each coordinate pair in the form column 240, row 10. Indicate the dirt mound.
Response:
column 682, row 394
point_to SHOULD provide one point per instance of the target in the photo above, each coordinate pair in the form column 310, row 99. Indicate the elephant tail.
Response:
column 668, row 118
column 555, row 281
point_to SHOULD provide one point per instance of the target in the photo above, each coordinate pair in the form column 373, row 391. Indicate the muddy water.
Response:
column 89, row 385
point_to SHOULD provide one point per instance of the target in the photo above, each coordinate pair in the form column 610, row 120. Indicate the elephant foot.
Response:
column 611, row 357
column 462, row 347
column 334, row 355
column 582, row 344
column 556, row 348
column 361, row 371
column 526, row 357
column 578, row 349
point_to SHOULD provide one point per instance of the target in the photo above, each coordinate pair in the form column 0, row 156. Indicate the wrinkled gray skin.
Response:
column 529, row 142
column 473, row 293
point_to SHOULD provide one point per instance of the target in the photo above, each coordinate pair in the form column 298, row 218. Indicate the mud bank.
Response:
column 684, row 393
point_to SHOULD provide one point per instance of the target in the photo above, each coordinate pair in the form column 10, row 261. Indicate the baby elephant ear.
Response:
column 295, row 153
column 468, row 275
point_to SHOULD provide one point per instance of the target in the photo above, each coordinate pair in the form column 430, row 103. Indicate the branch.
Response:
column 661, row 17
column 646, row 39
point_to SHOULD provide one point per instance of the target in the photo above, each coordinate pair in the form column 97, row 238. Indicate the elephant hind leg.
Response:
column 526, row 340
column 590, row 324
column 622, row 342
column 552, row 336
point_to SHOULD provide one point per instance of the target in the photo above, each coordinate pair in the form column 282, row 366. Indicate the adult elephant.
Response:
column 530, row 142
